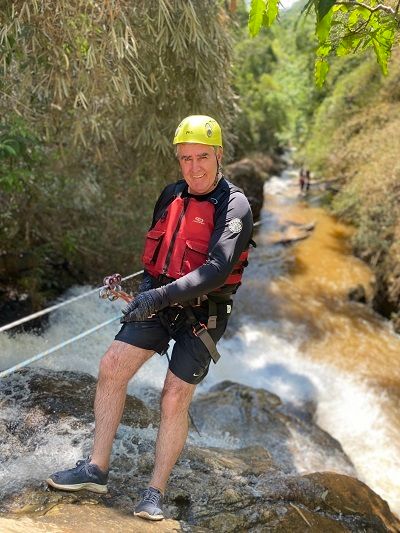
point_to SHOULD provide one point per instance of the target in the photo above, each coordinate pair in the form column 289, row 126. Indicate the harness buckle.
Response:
column 199, row 328
column 212, row 322
column 196, row 302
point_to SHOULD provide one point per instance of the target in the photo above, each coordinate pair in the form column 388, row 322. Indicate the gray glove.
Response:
column 145, row 304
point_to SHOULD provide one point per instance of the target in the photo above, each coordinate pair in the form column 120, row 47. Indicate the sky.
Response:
column 287, row 3
column 284, row 4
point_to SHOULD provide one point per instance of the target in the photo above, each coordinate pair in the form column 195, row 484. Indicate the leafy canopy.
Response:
column 342, row 27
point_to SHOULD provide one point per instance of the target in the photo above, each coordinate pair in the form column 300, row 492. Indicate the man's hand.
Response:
column 145, row 304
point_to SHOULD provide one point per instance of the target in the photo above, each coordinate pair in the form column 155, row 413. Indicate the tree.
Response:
column 91, row 93
column 342, row 27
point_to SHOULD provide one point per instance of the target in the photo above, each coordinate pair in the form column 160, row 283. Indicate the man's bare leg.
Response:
column 173, row 430
column 119, row 364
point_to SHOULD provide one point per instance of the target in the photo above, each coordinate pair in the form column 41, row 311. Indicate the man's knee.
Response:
column 176, row 397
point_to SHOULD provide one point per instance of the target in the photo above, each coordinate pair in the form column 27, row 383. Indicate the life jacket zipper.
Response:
column 178, row 225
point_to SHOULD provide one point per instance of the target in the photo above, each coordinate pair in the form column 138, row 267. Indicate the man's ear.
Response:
column 219, row 154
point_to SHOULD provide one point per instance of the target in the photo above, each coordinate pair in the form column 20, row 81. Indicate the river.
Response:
column 293, row 332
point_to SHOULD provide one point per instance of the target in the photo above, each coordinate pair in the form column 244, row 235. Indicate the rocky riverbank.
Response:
column 260, row 480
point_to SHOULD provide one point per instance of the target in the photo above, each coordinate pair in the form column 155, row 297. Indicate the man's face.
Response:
column 199, row 165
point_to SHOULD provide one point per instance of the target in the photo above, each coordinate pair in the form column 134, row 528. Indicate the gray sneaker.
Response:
column 84, row 476
column 150, row 505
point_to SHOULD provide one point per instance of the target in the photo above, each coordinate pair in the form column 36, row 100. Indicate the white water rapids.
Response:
column 262, row 349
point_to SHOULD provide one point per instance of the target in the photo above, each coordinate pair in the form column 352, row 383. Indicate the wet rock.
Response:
column 62, row 394
column 68, row 518
column 34, row 403
column 257, row 417
column 293, row 233
column 254, row 485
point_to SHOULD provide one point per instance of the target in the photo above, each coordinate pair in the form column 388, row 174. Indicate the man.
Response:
column 194, row 256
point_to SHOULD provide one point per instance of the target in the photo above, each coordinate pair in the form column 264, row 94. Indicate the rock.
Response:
column 42, row 400
column 68, row 518
column 248, row 175
column 256, row 417
column 293, row 233
column 252, row 485
column 352, row 496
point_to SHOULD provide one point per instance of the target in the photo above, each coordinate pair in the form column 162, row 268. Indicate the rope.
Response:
column 57, row 306
column 55, row 348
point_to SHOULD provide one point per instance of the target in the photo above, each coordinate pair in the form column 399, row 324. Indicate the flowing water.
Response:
column 293, row 332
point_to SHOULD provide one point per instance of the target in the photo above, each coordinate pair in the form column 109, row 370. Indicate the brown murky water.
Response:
column 322, row 271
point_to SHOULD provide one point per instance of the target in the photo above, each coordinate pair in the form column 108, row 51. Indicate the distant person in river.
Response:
column 307, row 180
column 194, row 256
column 304, row 179
column 302, row 175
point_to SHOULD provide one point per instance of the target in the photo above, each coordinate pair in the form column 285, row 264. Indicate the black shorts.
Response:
column 190, row 358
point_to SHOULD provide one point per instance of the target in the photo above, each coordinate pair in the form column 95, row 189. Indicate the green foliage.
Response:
column 262, row 102
column 342, row 28
column 354, row 81
column 262, row 13
column 91, row 94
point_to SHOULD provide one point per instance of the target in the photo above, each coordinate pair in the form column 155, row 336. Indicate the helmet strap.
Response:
column 218, row 176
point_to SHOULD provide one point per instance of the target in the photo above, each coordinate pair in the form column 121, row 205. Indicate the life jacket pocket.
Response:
column 152, row 246
column 194, row 256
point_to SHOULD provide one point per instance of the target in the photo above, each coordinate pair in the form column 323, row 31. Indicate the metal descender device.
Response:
column 112, row 289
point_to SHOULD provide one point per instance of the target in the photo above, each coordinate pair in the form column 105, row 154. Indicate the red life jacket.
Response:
column 178, row 243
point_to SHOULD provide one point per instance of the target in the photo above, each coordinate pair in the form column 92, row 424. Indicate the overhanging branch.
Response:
column 380, row 7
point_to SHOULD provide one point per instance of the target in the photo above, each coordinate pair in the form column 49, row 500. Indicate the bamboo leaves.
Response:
column 103, row 86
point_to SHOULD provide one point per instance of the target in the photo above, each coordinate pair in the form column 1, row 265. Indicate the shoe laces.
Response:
column 152, row 496
column 84, row 465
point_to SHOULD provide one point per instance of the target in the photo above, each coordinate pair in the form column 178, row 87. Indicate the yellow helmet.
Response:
column 199, row 129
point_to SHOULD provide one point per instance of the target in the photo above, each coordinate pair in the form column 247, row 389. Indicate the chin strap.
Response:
column 218, row 175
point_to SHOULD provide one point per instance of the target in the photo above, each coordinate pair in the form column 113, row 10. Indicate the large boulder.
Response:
column 253, row 480
column 250, row 176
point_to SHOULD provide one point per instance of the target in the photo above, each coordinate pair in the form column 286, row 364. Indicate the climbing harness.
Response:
column 200, row 329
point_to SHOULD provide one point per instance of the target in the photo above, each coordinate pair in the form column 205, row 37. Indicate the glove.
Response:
column 145, row 304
